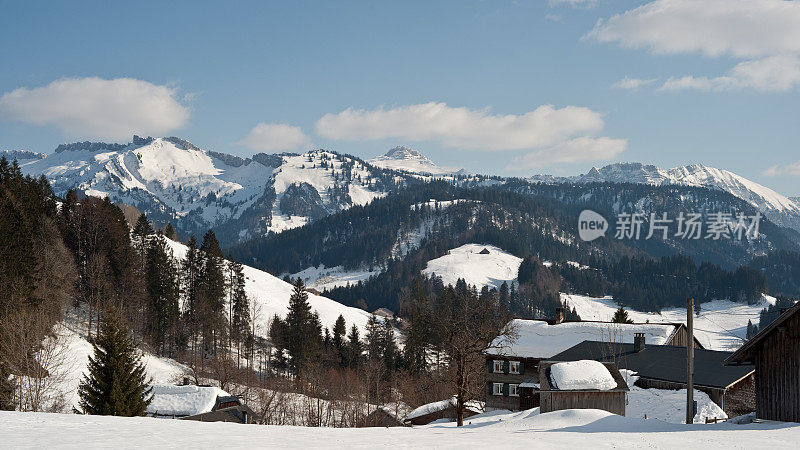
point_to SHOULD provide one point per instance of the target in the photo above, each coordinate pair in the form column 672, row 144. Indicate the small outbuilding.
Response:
column 485, row 251
column 201, row 403
column 775, row 352
column 444, row 409
column 584, row 384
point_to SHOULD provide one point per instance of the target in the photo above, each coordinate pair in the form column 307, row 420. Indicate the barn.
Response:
column 664, row 367
column 775, row 352
column 582, row 384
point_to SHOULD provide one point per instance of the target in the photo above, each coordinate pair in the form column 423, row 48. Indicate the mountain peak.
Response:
column 403, row 152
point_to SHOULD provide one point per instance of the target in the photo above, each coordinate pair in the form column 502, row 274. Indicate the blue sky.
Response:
column 504, row 87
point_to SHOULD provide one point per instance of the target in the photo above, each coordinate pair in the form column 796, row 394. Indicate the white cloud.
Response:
column 463, row 127
column 772, row 74
column 275, row 137
column 739, row 28
column 633, row 83
column 791, row 169
column 98, row 108
column 578, row 150
column 572, row 3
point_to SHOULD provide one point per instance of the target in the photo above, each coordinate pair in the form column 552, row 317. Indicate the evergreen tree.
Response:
column 751, row 330
column 353, row 348
column 303, row 330
column 163, row 289
column 621, row 316
column 191, row 269
column 239, row 304
column 169, row 231
column 374, row 338
column 390, row 350
column 116, row 384
column 339, row 332
column 141, row 231
column 211, row 295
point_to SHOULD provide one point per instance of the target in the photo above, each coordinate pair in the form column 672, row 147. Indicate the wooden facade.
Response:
column 612, row 400
column 526, row 398
column 775, row 351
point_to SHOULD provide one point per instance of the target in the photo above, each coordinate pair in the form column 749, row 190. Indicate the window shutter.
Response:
column 490, row 365
column 505, row 367
column 505, row 389
column 489, row 392
column 521, row 367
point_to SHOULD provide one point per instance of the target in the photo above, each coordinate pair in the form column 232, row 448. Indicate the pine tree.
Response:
column 211, row 295
column 169, row 231
column 374, row 338
column 751, row 330
column 239, row 304
column 191, row 269
column 303, row 330
column 621, row 316
column 353, row 348
column 141, row 231
column 116, row 384
column 163, row 289
column 390, row 350
column 339, row 332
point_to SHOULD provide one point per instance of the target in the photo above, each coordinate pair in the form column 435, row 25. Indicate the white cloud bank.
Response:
column 578, row 150
column 572, row 3
column 275, row 137
column 98, row 108
column 739, row 28
column 559, row 135
column 634, row 83
column 763, row 33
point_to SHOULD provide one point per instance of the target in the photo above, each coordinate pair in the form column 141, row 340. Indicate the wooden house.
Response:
column 775, row 352
column 555, row 398
column 444, row 409
column 201, row 403
column 388, row 415
column 512, row 372
column 664, row 367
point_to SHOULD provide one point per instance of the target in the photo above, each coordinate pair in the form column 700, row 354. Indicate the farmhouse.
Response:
column 775, row 351
column 388, row 415
column 581, row 385
column 664, row 367
column 201, row 403
column 512, row 378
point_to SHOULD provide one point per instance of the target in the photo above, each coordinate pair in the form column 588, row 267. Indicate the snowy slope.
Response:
column 409, row 160
column 271, row 296
column 21, row 156
column 172, row 180
column 777, row 207
column 480, row 270
column 525, row 429
column 721, row 325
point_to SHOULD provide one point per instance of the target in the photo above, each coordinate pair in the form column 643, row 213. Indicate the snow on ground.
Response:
column 526, row 429
column 77, row 351
column 721, row 325
column 536, row 338
column 584, row 374
column 665, row 404
column 271, row 296
column 480, row 270
column 169, row 399
column 321, row 278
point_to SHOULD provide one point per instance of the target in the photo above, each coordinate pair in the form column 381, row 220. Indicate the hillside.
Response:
column 491, row 269
column 409, row 160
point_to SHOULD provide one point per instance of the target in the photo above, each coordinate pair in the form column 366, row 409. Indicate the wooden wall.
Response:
column 778, row 373
column 680, row 338
column 613, row 402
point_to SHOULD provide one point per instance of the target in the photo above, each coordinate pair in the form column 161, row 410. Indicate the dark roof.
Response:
column 745, row 353
column 485, row 251
column 661, row 362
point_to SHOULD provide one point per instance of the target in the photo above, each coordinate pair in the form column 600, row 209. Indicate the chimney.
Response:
column 638, row 342
column 559, row 315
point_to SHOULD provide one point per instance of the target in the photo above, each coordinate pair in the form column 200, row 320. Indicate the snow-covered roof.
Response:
column 584, row 374
column 472, row 405
column 538, row 339
column 169, row 400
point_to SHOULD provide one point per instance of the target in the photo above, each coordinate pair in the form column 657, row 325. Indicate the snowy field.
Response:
column 561, row 429
column 721, row 325
column 480, row 270
column 321, row 278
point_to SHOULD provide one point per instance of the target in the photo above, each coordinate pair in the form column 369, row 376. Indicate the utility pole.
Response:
column 690, row 360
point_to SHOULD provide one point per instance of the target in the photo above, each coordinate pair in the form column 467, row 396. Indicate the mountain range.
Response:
column 406, row 159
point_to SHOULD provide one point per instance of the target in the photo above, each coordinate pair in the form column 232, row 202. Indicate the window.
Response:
column 497, row 388
column 513, row 390
column 514, row 367
column 498, row 366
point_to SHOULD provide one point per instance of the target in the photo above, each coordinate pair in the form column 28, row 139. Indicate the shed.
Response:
column 444, row 409
column 775, row 352
column 607, row 390
column 664, row 367
column 388, row 415
column 202, row 403
column 485, row 251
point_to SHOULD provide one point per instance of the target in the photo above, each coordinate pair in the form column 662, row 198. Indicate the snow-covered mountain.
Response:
column 172, row 180
column 22, row 156
column 409, row 160
column 778, row 208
